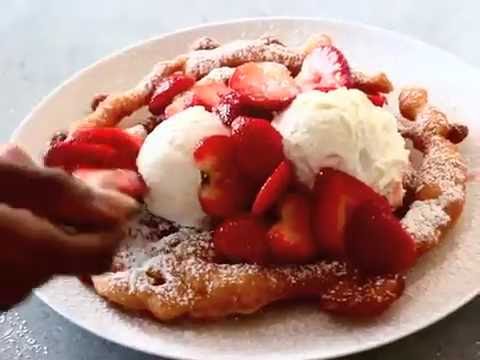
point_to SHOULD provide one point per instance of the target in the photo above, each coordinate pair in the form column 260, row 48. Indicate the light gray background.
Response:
column 44, row 42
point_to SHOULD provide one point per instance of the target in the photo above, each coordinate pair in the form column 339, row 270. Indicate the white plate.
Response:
column 443, row 280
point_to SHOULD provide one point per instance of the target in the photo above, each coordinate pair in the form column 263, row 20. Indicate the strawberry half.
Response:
column 106, row 148
column 291, row 240
column 326, row 89
column 222, row 192
column 377, row 99
column 336, row 196
column 324, row 67
column 266, row 85
column 273, row 189
column 242, row 239
column 71, row 155
column 115, row 137
column 259, row 147
column 166, row 89
column 376, row 241
column 180, row 103
column 209, row 95
column 229, row 107
column 233, row 105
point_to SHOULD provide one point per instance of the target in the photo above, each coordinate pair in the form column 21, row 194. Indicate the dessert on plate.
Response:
column 268, row 173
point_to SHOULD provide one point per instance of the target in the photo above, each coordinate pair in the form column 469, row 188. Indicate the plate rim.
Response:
column 150, row 40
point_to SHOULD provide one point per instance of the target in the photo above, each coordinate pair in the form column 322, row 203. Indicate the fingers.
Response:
column 51, row 250
column 86, row 253
column 79, row 204
column 111, row 206
column 54, row 194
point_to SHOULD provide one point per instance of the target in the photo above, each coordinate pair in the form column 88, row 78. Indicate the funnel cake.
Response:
column 438, row 185
column 172, row 271
column 177, row 275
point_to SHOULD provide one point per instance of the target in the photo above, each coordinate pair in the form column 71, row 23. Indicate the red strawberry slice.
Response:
column 336, row 195
column 115, row 137
column 291, row 239
column 267, row 85
column 259, row 147
column 71, row 155
column 229, row 107
column 120, row 149
column 124, row 181
column 209, row 95
column 242, row 239
column 324, row 67
column 377, row 99
column 223, row 192
column 232, row 105
column 326, row 89
column 273, row 189
column 180, row 103
column 166, row 89
column 376, row 241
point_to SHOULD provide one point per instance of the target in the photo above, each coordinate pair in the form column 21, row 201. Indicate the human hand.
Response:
column 52, row 223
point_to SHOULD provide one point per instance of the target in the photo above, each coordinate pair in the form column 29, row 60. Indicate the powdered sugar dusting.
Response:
column 17, row 341
column 439, row 181
column 200, row 63
column 217, row 75
column 425, row 220
column 442, row 166
column 176, row 274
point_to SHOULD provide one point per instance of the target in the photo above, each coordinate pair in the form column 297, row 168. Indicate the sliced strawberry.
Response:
column 222, row 192
column 166, row 89
column 336, row 195
column 326, row 89
column 209, row 95
column 124, row 181
column 273, row 189
column 229, row 107
column 267, row 85
column 376, row 241
column 180, row 103
column 232, row 105
column 115, row 137
column 71, row 155
column 124, row 145
column 215, row 152
column 259, row 147
column 256, row 112
column 242, row 239
column 377, row 99
column 324, row 67
column 291, row 239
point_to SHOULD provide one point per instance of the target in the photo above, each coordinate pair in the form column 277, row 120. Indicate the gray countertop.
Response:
column 44, row 42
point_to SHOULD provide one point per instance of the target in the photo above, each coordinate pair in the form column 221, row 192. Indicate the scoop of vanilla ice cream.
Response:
column 166, row 163
column 344, row 130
